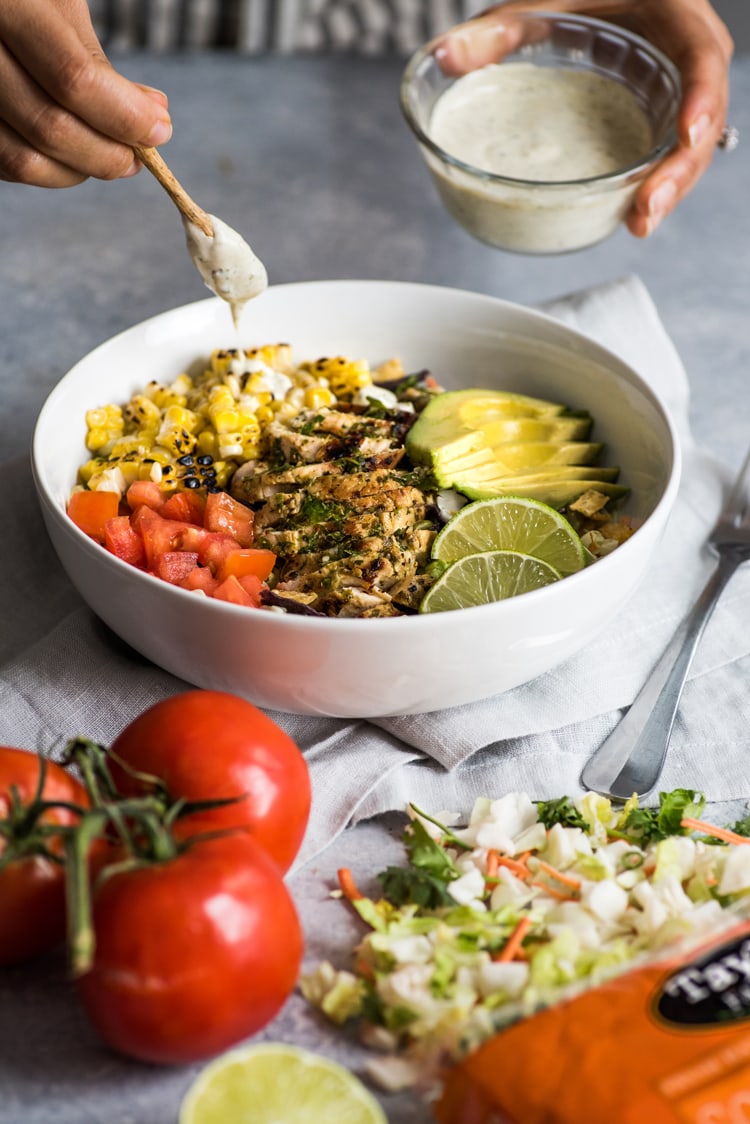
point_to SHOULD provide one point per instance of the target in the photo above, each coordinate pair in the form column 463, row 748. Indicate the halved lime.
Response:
column 478, row 579
column 512, row 523
column 278, row 1084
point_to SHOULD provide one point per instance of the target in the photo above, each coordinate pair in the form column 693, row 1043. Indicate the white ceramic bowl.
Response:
column 366, row 668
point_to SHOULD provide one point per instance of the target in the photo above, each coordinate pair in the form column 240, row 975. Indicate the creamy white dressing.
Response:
column 541, row 123
column 227, row 264
column 549, row 128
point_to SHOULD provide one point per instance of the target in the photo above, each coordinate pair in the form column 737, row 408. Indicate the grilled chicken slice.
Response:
column 346, row 523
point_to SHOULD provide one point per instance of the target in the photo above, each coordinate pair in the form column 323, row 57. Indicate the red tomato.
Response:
column 209, row 745
column 122, row 540
column 192, row 954
column 248, row 561
column 174, row 565
column 32, row 886
column 91, row 510
column 223, row 513
column 144, row 492
column 187, row 506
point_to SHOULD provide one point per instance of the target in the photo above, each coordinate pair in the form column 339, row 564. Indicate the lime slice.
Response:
column 508, row 523
column 278, row 1084
column 478, row 579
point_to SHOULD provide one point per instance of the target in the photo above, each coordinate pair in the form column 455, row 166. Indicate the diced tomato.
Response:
column 121, row 539
column 232, row 590
column 232, row 518
column 200, row 578
column 159, row 535
column 248, row 561
column 145, row 492
column 174, row 565
column 252, row 585
column 91, row 510
column 187, row 506
column 215, row 549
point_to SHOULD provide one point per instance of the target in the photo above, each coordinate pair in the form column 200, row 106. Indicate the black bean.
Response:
column 191, row 482
column 186, row 460
column 205, row 459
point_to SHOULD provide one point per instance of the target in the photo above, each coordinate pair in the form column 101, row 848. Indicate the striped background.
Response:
column 369, row 26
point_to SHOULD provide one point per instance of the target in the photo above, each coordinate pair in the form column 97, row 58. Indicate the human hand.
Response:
column 65, row 113
column 689, row 32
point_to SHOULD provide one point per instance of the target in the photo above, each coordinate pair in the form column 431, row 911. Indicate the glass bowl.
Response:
column 533, row 215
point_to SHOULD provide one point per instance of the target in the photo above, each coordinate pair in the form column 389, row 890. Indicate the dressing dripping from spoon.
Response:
column 225, row 261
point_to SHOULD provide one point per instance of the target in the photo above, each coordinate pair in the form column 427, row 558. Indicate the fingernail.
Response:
column 660, row 201
column 698, row 130
column 160, row 133
column 157, row 95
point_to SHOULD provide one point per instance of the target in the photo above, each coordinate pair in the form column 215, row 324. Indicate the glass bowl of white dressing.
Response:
column 540, row 148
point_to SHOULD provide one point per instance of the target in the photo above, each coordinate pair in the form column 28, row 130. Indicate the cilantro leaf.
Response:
column 402, row 886
column 649, row 825
column 562, row 811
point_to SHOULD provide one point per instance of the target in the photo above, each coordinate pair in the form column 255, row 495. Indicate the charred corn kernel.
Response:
column 316, row 396
column 164, row 396
column 142, row 413
column 221, row 360
column 276, row 355
column 137, row 443
column 264, row 414
column 96, row 439
column 256, row 383
column 89, row 468
column 345, row 376
column 230, row 444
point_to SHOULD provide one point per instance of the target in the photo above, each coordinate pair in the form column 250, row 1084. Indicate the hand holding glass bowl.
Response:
column 553, row 207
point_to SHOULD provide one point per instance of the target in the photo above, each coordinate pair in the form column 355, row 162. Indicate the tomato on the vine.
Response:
column 193, row 953
column 32, row 872
column 210, row 745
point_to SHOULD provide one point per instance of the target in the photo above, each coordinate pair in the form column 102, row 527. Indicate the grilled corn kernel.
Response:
column 316, row 396
column 345, row 376
column 208, row 444
column 264, row 414
column 142, row 413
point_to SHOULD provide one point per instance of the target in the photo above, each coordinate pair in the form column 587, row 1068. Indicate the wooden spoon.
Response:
column 151, row 159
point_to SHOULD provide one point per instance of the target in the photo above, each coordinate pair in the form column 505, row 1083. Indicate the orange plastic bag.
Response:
column 664, row 1044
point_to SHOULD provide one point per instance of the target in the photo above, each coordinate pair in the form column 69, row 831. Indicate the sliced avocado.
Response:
column 546, row 473
column 487, row 443
column 457, row 414
column 509, row 460
column 555, row 493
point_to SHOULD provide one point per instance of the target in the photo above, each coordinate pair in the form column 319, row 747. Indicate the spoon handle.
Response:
column 151, row 159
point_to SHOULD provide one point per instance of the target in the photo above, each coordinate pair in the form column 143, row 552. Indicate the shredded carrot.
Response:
column 722, row 833
column 553, row 872
column 520, row 869
column 348, row 885
column 513, row 944
column 493, row 861
column 561, row 895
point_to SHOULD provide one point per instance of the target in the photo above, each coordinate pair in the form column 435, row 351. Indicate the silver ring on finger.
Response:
column 729, row 139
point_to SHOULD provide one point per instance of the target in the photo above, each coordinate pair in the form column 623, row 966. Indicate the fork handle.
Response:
column 630, row 760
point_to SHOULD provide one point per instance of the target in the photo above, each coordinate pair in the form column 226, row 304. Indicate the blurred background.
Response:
column 736, row 15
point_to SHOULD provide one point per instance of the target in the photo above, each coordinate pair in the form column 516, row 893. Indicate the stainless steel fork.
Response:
column 632, row 757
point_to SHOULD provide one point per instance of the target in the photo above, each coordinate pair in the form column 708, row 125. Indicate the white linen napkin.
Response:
column 63, row 673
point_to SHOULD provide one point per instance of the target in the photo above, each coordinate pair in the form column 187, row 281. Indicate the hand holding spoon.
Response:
column 223, row 258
